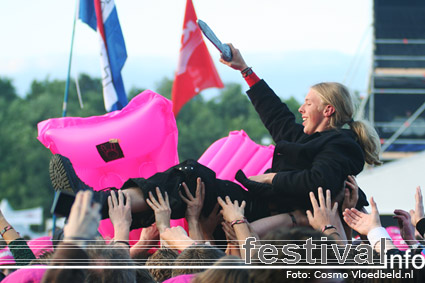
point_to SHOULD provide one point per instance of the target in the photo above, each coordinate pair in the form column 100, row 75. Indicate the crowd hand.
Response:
column 194, row 204
column 263, row 178
column 351, row 196
column 323, row 212
column 237, row 62
column 407, row 230
column 418, row 213
column 231, row 211
column 149, row 237
column 362, row 222
column 120, row 213
column 83, row 219
column 176, row 238
column 208, row 224
column 162, row 209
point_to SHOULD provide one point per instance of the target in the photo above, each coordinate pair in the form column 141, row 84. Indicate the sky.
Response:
column 291, row 44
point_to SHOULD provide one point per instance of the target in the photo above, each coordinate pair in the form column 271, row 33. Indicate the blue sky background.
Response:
column 291, row 44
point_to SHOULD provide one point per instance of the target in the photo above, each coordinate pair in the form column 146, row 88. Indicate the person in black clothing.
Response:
column 322, row 152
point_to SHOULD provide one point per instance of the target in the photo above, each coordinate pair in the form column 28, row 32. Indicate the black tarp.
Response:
column 399, row 19
column 400, row 82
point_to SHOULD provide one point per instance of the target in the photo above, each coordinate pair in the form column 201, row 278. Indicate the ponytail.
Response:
column 369, row 141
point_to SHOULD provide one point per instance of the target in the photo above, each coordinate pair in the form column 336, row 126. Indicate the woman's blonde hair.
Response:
column 339, row 97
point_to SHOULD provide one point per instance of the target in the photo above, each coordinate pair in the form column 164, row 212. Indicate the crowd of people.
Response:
column 172, row 254
column 295, row 222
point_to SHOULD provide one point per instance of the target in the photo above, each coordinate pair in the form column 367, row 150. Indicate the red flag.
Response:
column 196, row 70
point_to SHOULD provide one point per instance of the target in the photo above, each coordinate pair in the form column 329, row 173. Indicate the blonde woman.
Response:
column 321, row 152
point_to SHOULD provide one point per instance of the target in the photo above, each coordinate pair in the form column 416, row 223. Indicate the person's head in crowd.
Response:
column 235, row 275
column 144, row 276
column 102, row 254
column 162, row 257
column 199, row 254
column 334, row 109
column 43, row 258
column 295, row 236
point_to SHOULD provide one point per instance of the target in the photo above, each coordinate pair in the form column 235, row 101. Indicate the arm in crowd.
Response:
column 417, row 214
column 351, row 196
column 407, row 230
column 17, row 245
column 194, row 207
column 149, row 237
column 232, row 241
column 82, row 227
column 161, row 208
column 209, row 224
column 174, row 237
column 233, row 213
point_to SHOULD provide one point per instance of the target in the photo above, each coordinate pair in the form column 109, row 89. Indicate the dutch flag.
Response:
column 102, row 16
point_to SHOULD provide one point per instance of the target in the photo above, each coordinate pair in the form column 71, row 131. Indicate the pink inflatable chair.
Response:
column 237, row 151
column 137, row 141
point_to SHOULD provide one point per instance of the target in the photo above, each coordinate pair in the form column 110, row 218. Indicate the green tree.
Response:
column 24, row 178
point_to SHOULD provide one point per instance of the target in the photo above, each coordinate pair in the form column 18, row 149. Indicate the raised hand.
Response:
column 120, row 215
column 351, row 196
column 83, row 219
column 162, row 209
column 231, row 211
column 148, row 239
column 194, row 204
column 323, row 212
column 362, row 222
column 176, row 238
column 418, row 213
column 407, row 230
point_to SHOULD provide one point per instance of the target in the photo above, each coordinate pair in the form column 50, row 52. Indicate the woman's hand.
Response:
column 237, row 62
column 263, row 178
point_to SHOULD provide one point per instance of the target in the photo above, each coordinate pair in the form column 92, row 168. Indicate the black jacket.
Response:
column 305, row 162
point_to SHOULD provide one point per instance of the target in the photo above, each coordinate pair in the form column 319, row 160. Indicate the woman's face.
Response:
column 313, row 113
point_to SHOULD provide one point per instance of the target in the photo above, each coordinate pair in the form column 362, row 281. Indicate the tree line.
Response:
column 24, row 178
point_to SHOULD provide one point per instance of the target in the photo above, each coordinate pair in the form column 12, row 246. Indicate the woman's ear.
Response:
column 328, row 111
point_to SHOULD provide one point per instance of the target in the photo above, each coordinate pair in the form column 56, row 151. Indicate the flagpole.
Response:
column 68, row 78
column 65, row 98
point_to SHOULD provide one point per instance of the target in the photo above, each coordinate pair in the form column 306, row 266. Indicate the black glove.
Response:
column 261, row 189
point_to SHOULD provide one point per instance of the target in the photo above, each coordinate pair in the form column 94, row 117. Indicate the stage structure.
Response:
column 396, row 98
